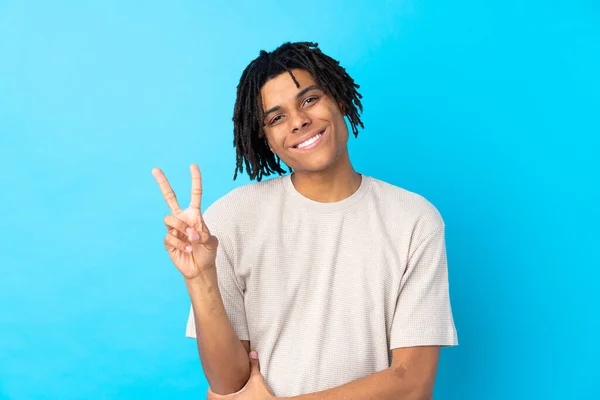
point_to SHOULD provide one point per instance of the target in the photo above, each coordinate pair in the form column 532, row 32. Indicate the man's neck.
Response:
column 327, row 186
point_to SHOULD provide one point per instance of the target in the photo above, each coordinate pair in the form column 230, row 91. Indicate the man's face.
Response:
column 304, row 126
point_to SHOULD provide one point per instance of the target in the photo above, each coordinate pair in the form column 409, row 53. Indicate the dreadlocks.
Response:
column 252, row 149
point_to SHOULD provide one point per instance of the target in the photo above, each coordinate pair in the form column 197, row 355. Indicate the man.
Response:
column 336, row 279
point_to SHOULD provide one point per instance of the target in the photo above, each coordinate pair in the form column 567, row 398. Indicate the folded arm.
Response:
column 410, row 377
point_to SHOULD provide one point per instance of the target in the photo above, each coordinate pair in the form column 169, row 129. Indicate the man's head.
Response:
column 286, row 97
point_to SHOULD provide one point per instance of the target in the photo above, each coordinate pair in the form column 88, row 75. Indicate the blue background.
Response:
column 489, row 109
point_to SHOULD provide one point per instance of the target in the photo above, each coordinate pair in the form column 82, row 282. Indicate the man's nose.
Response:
column 300, row 121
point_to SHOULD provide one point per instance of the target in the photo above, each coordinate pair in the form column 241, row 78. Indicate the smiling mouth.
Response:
column 310, row 143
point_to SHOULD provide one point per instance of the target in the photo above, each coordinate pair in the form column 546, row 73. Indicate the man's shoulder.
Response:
column 404, row 203
column 245, row 200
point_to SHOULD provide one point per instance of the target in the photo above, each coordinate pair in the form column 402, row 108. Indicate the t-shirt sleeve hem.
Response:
column 241, row 333
column 426, row 338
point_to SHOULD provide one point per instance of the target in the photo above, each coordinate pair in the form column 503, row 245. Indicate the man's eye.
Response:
column 275, row 119
column 311, row 100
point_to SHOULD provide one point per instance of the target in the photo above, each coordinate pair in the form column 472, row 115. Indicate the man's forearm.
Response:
column 224, row 359
column 383, row 385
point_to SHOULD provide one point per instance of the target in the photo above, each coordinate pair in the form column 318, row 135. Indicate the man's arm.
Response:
column 410, row 377
column 224, row 358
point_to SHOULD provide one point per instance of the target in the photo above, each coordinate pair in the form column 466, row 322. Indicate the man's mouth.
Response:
column 310, row 143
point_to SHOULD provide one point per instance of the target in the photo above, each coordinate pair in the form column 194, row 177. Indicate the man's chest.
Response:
column 349, row 269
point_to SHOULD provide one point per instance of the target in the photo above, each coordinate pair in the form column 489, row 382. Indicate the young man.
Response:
column 336, row 279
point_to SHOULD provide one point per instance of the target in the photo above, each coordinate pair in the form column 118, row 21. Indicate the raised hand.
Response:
column 190, row 244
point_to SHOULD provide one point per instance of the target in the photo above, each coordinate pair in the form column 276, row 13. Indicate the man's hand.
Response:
column 189, row 242
column 255, row 389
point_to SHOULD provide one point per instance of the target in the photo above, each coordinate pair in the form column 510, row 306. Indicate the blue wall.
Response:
column 490, row 109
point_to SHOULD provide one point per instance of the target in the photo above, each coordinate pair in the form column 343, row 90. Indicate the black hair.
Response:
column 252, row 149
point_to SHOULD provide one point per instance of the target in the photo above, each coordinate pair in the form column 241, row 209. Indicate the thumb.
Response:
column 207, row 239
column 254, row 365
column 200, row 239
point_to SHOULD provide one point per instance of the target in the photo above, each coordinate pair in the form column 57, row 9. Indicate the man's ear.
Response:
column 342, row 108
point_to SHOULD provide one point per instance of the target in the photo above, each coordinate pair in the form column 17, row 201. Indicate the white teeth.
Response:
column 309, row 141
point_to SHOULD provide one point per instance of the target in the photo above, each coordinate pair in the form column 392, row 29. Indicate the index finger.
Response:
column 196, row 187
column 166, row 190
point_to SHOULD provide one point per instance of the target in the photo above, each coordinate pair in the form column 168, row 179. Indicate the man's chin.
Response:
column 315, row 165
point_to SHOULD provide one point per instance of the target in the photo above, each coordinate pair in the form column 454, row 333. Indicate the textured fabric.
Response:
column 324, row 291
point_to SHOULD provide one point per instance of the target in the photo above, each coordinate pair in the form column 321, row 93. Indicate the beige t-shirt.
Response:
column 324, row 291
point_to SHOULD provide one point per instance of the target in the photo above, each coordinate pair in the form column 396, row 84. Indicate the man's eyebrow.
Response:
column 300, row 94
column 306, row 90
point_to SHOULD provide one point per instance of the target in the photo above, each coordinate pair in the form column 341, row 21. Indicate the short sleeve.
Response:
column 231, row 288
column 423, row 316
